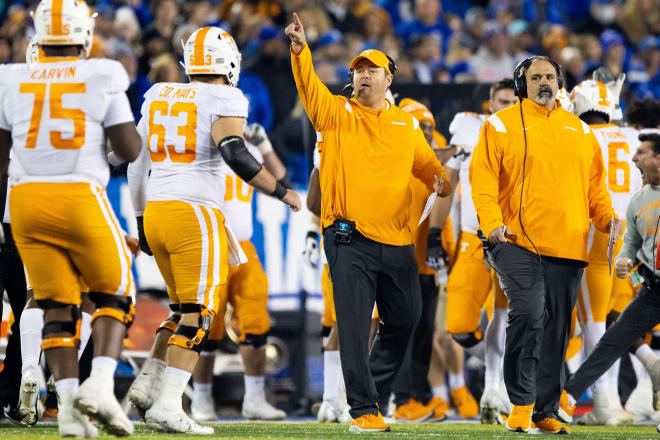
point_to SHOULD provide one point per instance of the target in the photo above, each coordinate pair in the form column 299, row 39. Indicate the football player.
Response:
column 56, row 115
column 191, row 134
column 247, row 292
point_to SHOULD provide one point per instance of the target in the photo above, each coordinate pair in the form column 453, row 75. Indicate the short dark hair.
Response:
column 654, row 138
column 506, row 83
column 645, row 112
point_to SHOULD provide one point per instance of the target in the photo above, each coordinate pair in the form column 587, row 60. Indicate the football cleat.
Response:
column 552, row 426
column 27, row 398
column 98, row 400
column 465, row 404
column 412, row 412
column 165, row 416
column 203, row 409
column 369, row 423
column 566, row 410
column 520, row 419
column 260, row 409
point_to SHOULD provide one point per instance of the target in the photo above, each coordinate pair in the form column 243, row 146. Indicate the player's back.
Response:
column 186, row 165
column 465, row 129
column 57, row 111
column 618, row 146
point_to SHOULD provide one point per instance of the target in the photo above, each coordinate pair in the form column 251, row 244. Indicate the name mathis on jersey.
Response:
column 54, row 73
column 176, row 92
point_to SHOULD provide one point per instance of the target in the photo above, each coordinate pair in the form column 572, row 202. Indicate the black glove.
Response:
column 144, row 246
column 436, row 255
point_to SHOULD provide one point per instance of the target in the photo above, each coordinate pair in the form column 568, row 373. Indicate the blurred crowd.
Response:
column 432, row 41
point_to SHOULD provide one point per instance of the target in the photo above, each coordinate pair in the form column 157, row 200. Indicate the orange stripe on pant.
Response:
column 191, row 253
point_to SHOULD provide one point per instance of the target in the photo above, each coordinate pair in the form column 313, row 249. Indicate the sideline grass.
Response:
column 254, row 431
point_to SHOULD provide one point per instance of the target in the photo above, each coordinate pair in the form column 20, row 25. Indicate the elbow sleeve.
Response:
column 239, row 159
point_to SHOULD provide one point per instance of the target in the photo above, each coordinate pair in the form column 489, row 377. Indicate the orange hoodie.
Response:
column 564, row 179
column 367, row 157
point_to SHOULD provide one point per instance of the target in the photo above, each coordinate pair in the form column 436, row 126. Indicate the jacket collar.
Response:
column 385, row 108
column 531, row 106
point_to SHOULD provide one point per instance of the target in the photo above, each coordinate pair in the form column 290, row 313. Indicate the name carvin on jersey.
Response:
column 54, row 73
column 175, row 92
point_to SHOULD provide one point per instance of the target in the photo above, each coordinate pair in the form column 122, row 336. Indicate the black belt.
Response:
column 650, row 280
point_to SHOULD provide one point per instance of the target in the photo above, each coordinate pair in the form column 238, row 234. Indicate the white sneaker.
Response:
column 165, row 416
column 654, row 372
column 328, row 413
column 203, row 409
column 71, row 422
column 640, row 402
column 490, row 406
column 140, row 394
column 260, row 409
column 603, row 413
column 98, row 400
column 28, row 395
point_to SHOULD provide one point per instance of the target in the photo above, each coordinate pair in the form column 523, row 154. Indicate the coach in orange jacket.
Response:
column 369, row 150
column 538, row 179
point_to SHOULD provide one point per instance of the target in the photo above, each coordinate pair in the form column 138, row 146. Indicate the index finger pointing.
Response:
column 296, row 19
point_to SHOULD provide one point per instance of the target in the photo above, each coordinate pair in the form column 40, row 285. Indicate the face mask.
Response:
column 605, row 14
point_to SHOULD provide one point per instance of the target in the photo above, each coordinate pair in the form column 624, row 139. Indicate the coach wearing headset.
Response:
column 370, row 149
column 538, row 179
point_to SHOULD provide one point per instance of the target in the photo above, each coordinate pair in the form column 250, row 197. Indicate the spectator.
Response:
column 161, row 29
column 614, row 51
column 342, row 17
column 182, row 33
column 5, row 50
column 640, row 18
column 139, row 84
column 316, row 22
column 492, row 61
column 554, row 41
column 273, row 65
column 574, row 67
column 392, row 45
column 591, row 51
column 165, row 68
column 428, row 20
column 441, row 74
column 104, row 24
column 127, row 26
column 376, row 24
column 643, row 114
column 405, row 73
column 602, row 16
column 201, row 12
column 522, row 41
column 426, row 52
column 644, row 73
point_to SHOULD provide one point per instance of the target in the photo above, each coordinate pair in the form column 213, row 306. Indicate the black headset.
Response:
column 347, row 91
column 519, row 80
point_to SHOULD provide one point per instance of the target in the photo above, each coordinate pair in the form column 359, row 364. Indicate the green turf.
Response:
column 335, row 431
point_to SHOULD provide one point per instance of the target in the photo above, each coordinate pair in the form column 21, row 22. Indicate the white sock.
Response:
column 67, row 386
column 103, row 369
column 478, row 350
column 331, row 376
column 31, row 326
column 495, row 335
column 254, row 386
column 456, row 380
column 173, row 384
column 441, row 392
column 645, row 356
column 85, row 332
column 202, row 391
column 591, row 334
column 154, row 367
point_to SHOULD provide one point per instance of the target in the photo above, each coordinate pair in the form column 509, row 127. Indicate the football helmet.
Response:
column 593, row 96
column 565, row 100
column 64, row 22
column 212, row 51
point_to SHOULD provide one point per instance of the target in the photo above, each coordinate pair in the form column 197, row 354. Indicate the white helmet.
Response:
column 565, row 100
column 212, row 51
column 592, row 96
column 64, row 22
column 33, row 52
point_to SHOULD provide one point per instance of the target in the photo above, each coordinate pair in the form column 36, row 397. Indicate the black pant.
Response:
column 412, row 379
column 542, row 293
column 641, row 315
column 362, row 272
column 12, row 279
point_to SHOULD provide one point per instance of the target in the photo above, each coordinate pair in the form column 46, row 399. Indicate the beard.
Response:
column 544, row 96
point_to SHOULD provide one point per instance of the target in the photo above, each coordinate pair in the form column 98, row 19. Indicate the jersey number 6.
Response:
column 188, row 131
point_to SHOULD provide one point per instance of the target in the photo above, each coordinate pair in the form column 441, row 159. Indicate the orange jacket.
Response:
column 367, row 157
column 564, row 179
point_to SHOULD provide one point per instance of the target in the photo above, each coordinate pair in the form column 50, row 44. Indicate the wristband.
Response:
column 279, row 192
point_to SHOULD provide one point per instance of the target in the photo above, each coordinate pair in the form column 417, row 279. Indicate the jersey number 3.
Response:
column 55, row 93
column 188, row 131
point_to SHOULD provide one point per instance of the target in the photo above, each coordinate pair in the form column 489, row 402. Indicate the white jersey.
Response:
column 238, row 200
column 176, row 131
column 624, row 180
column 57, row 112
column 465, row 128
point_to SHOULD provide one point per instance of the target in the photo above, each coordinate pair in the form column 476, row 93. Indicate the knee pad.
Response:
column 256, row 341
column 468, row 340
column 170, row 323
column 192, row 337
column 112, row 306
column 72, row 327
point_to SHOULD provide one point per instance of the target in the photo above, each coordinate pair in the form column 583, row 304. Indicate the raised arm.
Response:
column 319, row 103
